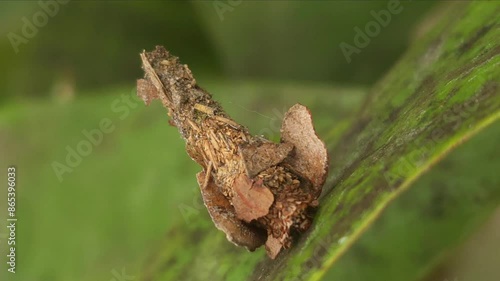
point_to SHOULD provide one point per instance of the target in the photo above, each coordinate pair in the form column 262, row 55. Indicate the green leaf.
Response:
column 422, row 227
column 442, row 92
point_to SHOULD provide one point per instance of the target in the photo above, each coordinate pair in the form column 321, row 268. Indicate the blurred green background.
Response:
column 95, row 44
column 107, row 214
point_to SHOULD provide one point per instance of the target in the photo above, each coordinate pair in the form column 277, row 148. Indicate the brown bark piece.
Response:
column 251, row 200
column 257, row 158
column 273, row 246
column 311, row 158
column 224, row 217
column 146, row 91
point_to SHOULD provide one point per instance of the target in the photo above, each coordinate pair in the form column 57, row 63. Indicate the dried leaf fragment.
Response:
column 311, row 158
column 251, row 200
column 224, row 218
